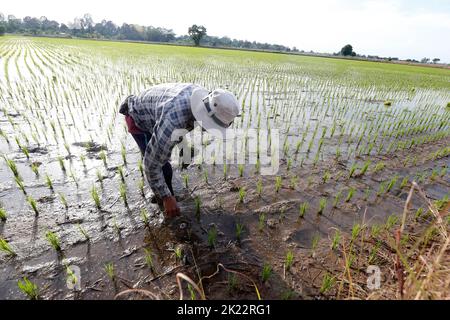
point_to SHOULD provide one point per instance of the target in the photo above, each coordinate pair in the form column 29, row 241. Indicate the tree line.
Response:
column 85, row 27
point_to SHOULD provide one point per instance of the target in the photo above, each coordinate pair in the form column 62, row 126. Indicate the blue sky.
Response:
column 397, row 28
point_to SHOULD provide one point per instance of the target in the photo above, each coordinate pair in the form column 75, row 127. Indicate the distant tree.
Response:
column 2, row 17
column 425, row 60
column 436, row 60
column 2, row 30
column 197, row 33
column 63, row 28
column 347, row 51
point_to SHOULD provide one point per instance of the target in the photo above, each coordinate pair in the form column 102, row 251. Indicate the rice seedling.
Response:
column 110, row 272
column 103, row 158
column 266, row 272
column 178, row 253
column 327, row 283
column 326, row 177
column 241, row 170
column 33, row 205
column 259, row 187
column 373, row 252
column 20, row 185
column 35, row 169
column 381, row 189
column 12, row 166
column 261, row 222
column 120, row 172
column 144, row 216
column 278, row 184
column 404, row 182
column 336, row 199
column 63, row 199
column 315, row 242
column 25, row 151
column 205, row 176
column 198, row 204
column 391, row 221
column 141, row 185
column 379, row 166
column 3, row 215
column 123, row 152
column 322, row 205
column 149, row 259
column 53, row 239
column 233, row 282
column 6, row 248
column 191, row 292
column 350, row 194
column 365, row 167
column 29, row 288
column 356, row 230
column 391, row 184
column 123, row 193
column 352, row 170
column 141, row 169
column 61, row 164
column 336, row 239
column 241, row 194
column 83, row 232
column 212, row 236
column 225, row 170
column 303, row 207
column 95, row 197
column 239, row 230
column 289, row 260
column 186, row 181
column 293, row 182
column 49, row 182
column 83, row 160
column 418, row 213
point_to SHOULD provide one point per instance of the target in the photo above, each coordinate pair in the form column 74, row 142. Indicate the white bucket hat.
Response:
column 215, row 111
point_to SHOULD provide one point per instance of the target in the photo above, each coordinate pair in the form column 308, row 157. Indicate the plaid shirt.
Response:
column 160, row 110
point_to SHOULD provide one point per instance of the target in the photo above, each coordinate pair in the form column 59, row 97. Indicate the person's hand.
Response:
column 171, row 207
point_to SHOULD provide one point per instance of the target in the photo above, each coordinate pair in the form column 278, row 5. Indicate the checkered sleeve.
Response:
column 157, row 154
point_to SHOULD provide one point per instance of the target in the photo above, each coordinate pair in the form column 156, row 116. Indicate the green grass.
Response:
column 5, row 247
column 239, row 230
column 212, row 237
column 3, row 215
column 54, row 241
column 110, row 272
column 278, row 184
column 303, row 207
column 266, row 272
column 327, row 283
column 241, row 194
column 289, row 260
column 322, row 205
column 33, row 205
column 29, row 288
column 95, row 197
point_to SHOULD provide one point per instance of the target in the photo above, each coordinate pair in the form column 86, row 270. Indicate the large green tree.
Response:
column 197, row 33
column 2, row 30
column 347, row 50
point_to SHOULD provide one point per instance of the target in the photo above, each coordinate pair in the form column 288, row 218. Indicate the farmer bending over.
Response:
column 152, row 117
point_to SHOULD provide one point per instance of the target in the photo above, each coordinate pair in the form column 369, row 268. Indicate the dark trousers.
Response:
column 142, row 140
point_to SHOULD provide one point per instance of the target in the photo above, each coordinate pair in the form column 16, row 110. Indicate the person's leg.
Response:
column 168, row 173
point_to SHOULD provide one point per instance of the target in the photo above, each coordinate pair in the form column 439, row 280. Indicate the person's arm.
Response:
column 157, row 153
